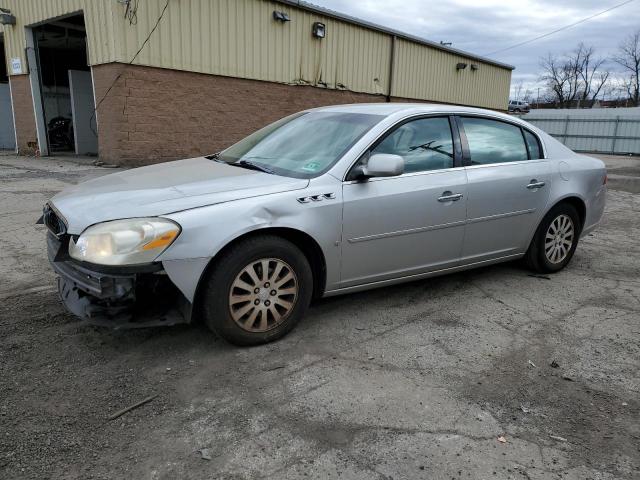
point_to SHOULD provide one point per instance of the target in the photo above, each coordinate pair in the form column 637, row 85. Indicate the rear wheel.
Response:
column 555, row 240
column 257, row 291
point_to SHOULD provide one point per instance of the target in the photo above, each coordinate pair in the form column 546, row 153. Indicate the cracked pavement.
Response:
column 412, row 381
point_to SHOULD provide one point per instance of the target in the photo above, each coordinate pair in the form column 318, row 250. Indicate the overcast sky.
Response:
column 484, row 26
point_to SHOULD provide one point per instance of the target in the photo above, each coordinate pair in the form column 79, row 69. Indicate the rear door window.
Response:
column 493, row 141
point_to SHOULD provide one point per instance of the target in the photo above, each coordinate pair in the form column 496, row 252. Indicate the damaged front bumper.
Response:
column 126, row 297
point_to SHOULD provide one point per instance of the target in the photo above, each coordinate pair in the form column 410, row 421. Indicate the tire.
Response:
column 244, row 306
column 556, row 253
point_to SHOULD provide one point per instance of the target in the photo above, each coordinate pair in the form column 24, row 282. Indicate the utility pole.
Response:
column 538, row 99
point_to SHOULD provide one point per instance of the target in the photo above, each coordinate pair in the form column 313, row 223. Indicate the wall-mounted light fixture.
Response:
column 6, row 18
column 474, row 67
column 281, row 16
column 461, row 66
column 319, row 30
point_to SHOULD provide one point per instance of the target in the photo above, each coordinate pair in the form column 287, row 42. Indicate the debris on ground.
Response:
column 532, row 364
column 567, row 378
column 544, row 277
column 275, row 367
column 525, row 409
column 554, row 364
column 501, row 439
column 99, row 163
column 132, row 407
column 205, row 454
column 558, row 438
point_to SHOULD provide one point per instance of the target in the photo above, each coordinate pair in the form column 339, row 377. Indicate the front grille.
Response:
column 53, row 221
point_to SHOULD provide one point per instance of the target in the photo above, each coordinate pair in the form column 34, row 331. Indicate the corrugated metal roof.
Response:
column 374, row 26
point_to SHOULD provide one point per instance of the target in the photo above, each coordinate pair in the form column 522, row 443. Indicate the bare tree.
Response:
column 629, row 58
column 558, row 80
column 517, row 90
column 592, row 77
column 576, row 78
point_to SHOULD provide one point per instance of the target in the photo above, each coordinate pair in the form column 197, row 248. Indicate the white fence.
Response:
column 610, row 130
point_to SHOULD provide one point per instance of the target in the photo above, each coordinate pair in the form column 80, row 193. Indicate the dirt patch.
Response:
column 549, row 407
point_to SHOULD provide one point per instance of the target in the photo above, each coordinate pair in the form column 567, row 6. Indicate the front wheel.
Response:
column 257, row 291
column 555, row 240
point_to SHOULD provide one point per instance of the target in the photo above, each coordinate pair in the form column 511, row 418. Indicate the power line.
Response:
column 559, row 29
column 146, row 40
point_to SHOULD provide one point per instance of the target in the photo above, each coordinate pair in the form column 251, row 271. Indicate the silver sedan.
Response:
column 323, row 202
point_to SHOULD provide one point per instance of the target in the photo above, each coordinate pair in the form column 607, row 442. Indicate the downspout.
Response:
column 391, row 62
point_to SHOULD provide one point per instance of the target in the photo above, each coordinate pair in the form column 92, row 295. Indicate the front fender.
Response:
column 207, row 230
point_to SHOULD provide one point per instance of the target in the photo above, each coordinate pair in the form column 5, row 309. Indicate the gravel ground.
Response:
column 421, row 380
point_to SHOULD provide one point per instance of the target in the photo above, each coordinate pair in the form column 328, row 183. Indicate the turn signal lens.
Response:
column 163, row 241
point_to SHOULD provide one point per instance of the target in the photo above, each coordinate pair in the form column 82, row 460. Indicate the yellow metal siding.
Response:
column 240, row 38
column 428, row 73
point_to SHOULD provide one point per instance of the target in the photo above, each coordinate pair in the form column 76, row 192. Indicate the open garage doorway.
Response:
column 65, row 86
column 7, row 129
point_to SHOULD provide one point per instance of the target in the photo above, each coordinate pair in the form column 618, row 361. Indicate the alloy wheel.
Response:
column 263, row 294
column 559, row 239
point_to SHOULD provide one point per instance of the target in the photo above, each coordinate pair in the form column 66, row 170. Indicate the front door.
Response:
column 409, row 224
column 508, row 189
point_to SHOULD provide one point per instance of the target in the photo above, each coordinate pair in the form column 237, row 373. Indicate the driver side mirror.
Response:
column 380, row 165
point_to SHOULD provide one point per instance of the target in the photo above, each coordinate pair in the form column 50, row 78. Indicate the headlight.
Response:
column 124, row 242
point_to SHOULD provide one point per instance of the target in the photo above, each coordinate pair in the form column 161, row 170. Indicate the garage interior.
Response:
column 7, row 131
column 66, row 87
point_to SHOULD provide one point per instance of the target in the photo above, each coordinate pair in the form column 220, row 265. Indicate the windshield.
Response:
column 303, row 145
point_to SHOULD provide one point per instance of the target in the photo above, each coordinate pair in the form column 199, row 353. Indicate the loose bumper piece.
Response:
column 128, row 299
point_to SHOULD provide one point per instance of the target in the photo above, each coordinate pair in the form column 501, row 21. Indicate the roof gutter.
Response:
column 390, row 31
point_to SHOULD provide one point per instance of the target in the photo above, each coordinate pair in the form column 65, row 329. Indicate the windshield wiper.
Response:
column 253, row 166
column 427, row 146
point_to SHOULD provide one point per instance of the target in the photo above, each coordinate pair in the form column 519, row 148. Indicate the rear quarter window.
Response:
column 535, row 151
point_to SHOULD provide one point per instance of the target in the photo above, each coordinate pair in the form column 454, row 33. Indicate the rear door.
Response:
column 508, row 187
column 412, row 223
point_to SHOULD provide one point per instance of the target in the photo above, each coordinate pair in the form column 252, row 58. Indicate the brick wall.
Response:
column 153, row 115
column 25, row 120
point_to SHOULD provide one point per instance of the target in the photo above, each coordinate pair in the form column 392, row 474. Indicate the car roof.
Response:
column 388, row 109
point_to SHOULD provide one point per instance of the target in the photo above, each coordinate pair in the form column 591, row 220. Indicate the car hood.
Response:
column 164, row 188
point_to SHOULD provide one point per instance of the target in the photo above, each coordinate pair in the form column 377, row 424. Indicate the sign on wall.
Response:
column 16, row 66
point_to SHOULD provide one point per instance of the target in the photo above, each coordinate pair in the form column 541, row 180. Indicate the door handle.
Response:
column 449, row 197
column 535, row 184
